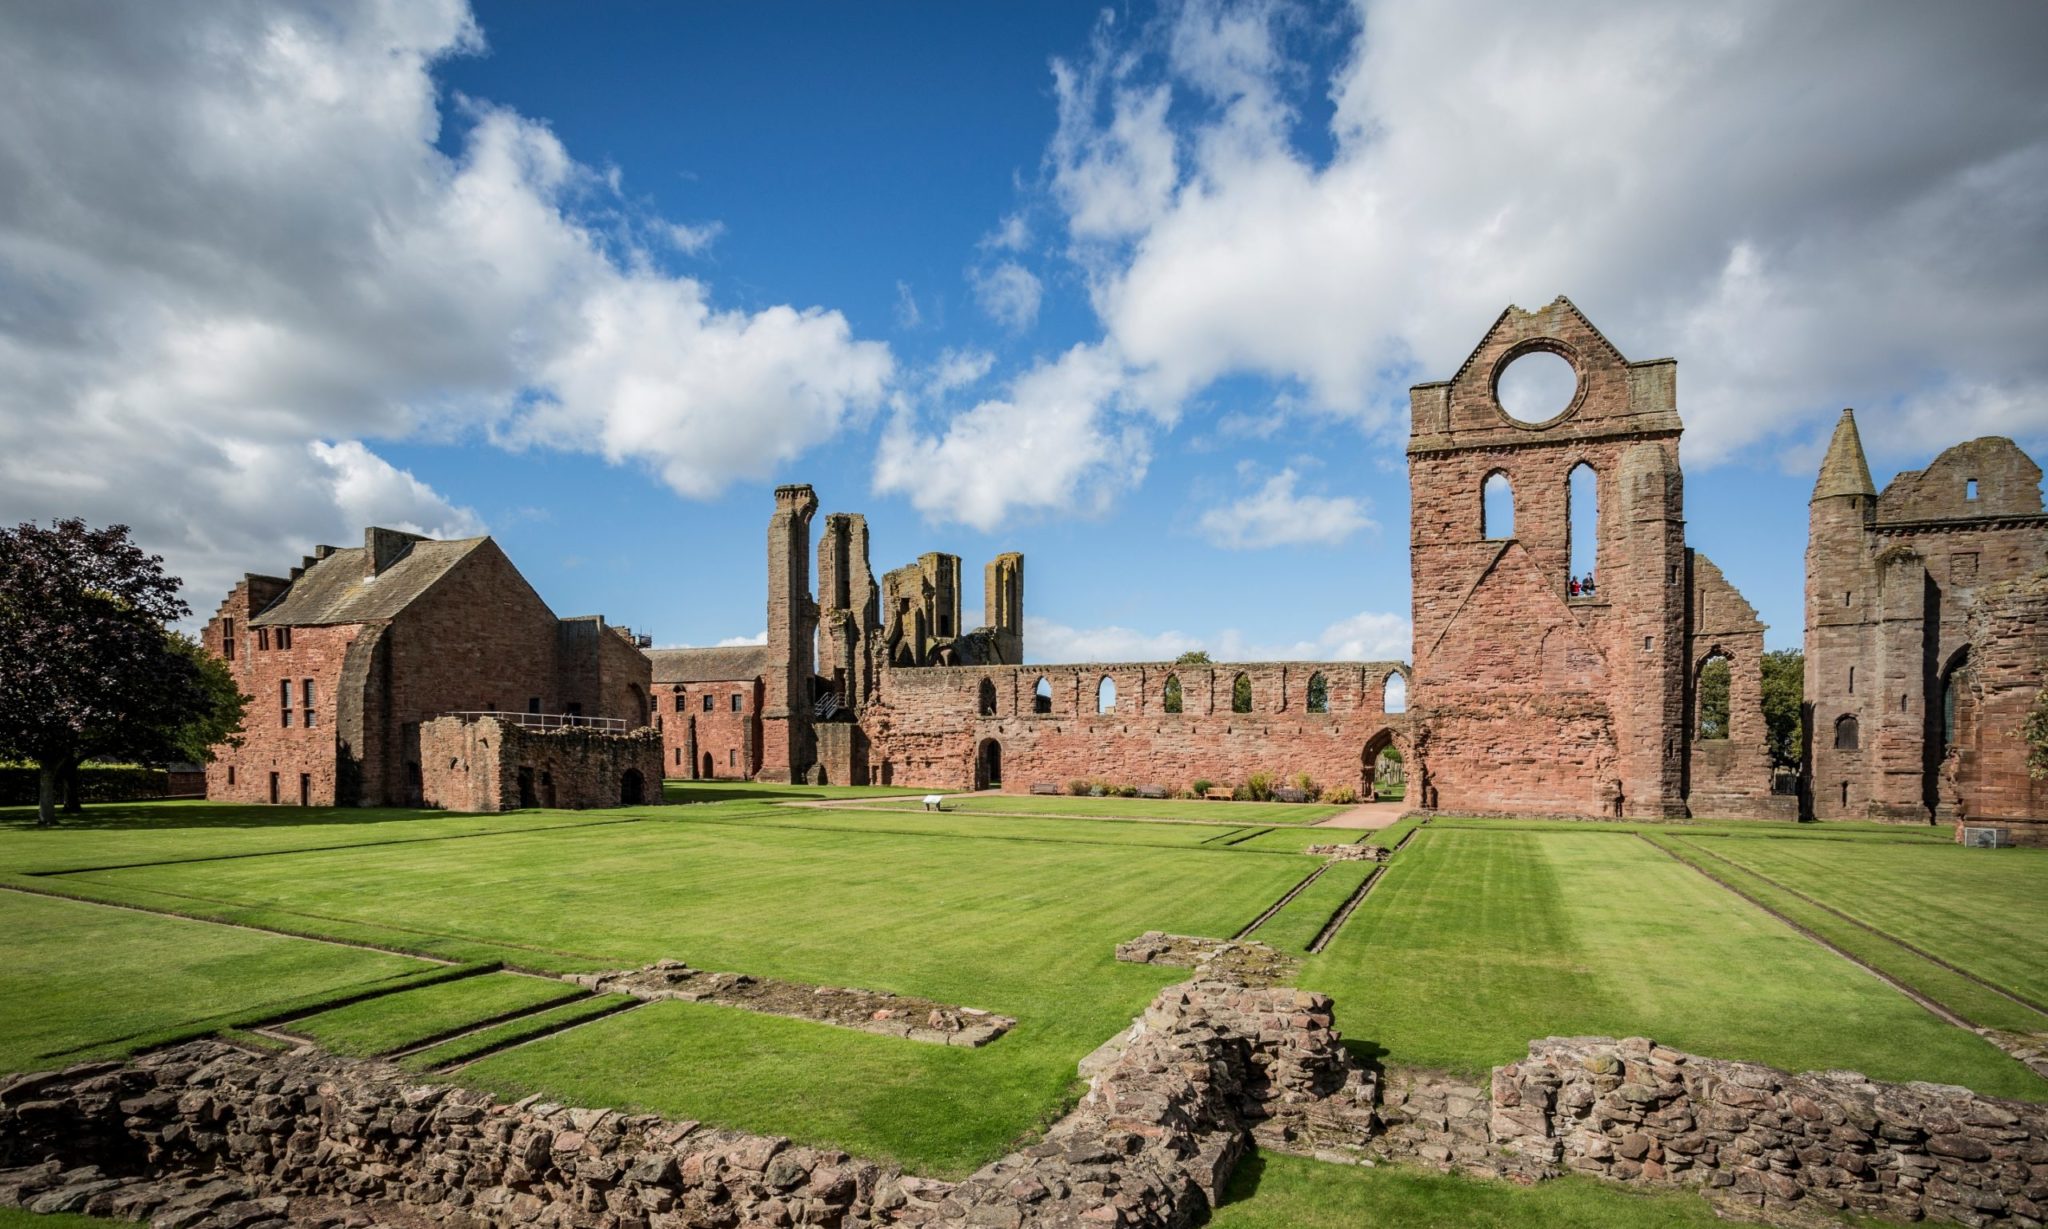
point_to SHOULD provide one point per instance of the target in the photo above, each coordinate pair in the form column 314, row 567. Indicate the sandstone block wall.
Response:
column 1633, row 1111
column 730, row 737
column 268, row 744
column 493, row 764
column 927, row 728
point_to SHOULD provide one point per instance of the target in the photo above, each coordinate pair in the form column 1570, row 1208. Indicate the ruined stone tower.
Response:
column 850, row 614
column 1532, row 699
column 1926, row 621
column 788, row 748
column 1002, row 606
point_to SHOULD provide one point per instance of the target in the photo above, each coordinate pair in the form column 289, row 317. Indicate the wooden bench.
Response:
column 1290, row 794
column 1046, row 787
column 1217, row 793
column 1151, row 791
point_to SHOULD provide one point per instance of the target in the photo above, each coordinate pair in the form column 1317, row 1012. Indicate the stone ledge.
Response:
column 870, row 1011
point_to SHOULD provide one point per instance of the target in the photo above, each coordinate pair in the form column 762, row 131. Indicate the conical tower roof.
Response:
column 1844, row 471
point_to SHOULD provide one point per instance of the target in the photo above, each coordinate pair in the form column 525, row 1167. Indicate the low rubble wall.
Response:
column 1634, row 1111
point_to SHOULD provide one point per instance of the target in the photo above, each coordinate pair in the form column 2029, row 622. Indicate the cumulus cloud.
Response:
column 1009, row 293
column 1052, row 443
column 1366, row 636
column 1812, row 203
column 232, row 257
column 1275, row 515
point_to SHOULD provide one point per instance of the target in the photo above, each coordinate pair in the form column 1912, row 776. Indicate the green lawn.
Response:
column 395, row 1021
column 1968, row 998
column 512, row 1032
column 1284, row 1192
column 1296, row 926
column 1138, row 808
column 81, row 979
column 1985, row 911
column 962, row 910
column 769, row 791
column 1476, row 942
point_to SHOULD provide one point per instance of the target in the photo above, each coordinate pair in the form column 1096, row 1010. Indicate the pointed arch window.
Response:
column 988, row 698
column 1394, row 693
column 1171, row 699
column 1241, row 694
column 1105, row 695
column 1712, row 724
column 1041, row 695
column 1318, row 693
column 1582, row 529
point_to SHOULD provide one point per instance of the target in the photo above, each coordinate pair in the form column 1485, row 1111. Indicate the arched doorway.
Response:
column 630, row 788
column 988, row 765
column 707, row 766
column 1383, row 770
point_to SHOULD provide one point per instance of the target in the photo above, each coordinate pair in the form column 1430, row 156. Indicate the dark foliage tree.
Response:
column 1193, row 657
column 1713, row 697
column 87, row 667
column 1784, row 690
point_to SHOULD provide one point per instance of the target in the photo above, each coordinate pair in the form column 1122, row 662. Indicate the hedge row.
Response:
column 18, row 785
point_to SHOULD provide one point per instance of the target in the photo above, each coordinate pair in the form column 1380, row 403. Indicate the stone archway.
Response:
column 1368, row 765
column 988, row 765
column 631, row 788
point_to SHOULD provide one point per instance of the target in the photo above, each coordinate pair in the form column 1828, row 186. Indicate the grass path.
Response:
column 1476, row 942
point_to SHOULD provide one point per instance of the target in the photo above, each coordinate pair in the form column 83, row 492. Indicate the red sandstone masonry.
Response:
column 925, row 728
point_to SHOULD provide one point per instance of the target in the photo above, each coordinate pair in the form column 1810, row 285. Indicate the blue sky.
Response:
column 1135, row 290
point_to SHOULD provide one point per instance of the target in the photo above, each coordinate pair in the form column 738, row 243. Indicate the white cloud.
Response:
column 1367, row 636
column 1050, row 444
column 1012, row 235
column 232, row 257
column 1009, row 293
column 1738, row 185
column 733, row 642
column 1274, row 515
column 958, row 369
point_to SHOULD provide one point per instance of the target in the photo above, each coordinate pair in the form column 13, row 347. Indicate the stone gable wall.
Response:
column 731, row 739
column 268, row 745
column 474, row 764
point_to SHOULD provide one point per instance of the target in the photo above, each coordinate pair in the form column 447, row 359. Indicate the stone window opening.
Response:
column 1582, row 530
column 1846, row 596
column 1105, row 695
column 1847, row 735
column 227, row 639
column 679, row 755
column 736, row 701
column 1318, row 693
column 1241, row 693
column 1852, row 680
column 1646, row 643
column 1041, row 695
column 1713, row 715
column 945, row 625
column 1170, row 699
column 1394, row 692
column 679, row 701
column 1902, row 703
column 273, row 788
column 710, row 702
column 1954, row 686
column 284, row 699
column 284, row 637
column 533, row 705
column 1970, row 489
column 231, row 774
column 1497, row 508
column 987, row 702
column 1845, row 795
column 732, row 757
column 263, row 638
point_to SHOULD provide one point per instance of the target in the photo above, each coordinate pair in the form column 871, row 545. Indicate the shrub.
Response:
column 1307, row 785
column 1127, row 791
column 1343, row 795
column 1259, row 787
column 1078, row 788
column 1201, row 786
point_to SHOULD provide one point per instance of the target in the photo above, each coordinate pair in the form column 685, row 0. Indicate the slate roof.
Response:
column 336, row 589
column 720, row 665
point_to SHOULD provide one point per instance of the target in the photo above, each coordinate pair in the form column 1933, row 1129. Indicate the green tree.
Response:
column 87, row 667
column 1784, row 692
column 1193, row 657
column 1713, row 699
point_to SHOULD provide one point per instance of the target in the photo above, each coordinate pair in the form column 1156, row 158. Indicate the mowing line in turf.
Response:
column 1280, row 904
column 478, row 1026
column 1887, row 936
column 228, row 903
column 1227, row 832
column 273, row 853
column 25, row 890
column 993, row 836
column 1248, row 836
column 1939, row 1010
column 1344, row 912
column 517, row 1040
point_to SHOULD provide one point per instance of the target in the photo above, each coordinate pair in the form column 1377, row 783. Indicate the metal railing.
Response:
column 551, row 721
